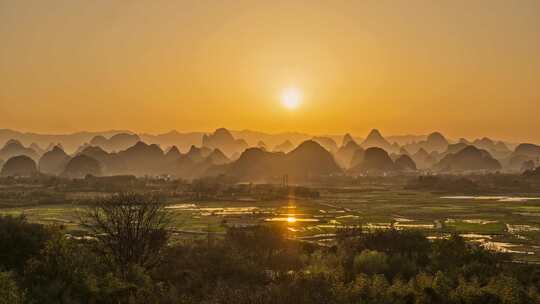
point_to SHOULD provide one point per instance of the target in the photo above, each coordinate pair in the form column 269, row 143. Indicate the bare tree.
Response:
column 130, row 228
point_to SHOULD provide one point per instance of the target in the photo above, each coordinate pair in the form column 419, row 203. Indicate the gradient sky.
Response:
column 466, row 68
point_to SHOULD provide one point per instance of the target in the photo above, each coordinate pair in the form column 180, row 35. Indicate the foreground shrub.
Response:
column 20, row 240
column 9, row 291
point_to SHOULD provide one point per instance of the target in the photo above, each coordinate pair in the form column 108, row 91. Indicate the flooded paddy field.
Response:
column 508, row 224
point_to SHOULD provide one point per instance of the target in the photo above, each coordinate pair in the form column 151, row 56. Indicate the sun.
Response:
column 291, row 98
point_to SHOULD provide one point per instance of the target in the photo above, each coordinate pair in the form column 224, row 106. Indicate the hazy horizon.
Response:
column 465, row 69
column 210, row 131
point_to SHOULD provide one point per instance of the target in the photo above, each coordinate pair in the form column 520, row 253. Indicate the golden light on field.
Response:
column 291, row 98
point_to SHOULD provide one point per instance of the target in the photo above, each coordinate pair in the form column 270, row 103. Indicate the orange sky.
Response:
column 466, row 68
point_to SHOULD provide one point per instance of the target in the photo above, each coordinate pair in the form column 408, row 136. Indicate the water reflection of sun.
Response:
column 291, row 219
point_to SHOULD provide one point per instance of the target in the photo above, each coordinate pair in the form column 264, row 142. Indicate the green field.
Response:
column 511, row 226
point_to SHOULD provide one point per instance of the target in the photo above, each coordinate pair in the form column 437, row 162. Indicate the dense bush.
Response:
column 10, row 293
column 19, row 240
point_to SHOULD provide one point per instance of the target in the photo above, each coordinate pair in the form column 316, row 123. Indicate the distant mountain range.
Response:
column 260, row 157
column 70, row 142
column 184, row 140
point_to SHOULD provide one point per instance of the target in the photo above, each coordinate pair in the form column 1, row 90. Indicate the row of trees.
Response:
column 129, row 256
column 477, row 183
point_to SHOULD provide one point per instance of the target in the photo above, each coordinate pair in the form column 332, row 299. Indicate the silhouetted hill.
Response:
column 39, row 151
column 308, row 160
column 257, row 165
column 285, row 146
column 104, row 158
column 498, row 149
column 375, row 139
column 501, row 146
column 346, row 139
column 117, row 142
column 436, row 142
column 223, row 140
column 217, row 157
column 173, row 154
column 169, row 163
column 523, row 153
column 21, row 165
column 99, row 141
column 14, row 148
column 345, row 154
column 469, row 159
column 54, row 161
column 376, row 160
column 451, row 149
column 484, row 143
column 326, row 142
column 197, row 154
column 423, row 159
column 140, row 159
column 405, row 163
column 528, row 150
column 517, row 162
column 81, row 166
column 455, row 148
column 404, row 151
column 194, row 167
column 81, row 148
column 357, row 158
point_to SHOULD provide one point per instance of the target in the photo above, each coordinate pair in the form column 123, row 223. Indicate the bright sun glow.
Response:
column 291, row 98
column 291, row 219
